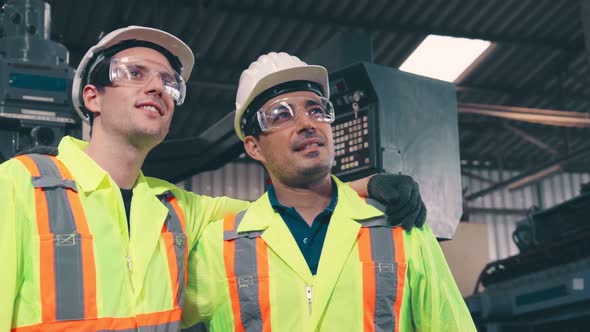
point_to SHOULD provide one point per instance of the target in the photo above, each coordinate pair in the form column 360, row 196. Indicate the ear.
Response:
column 252, row 147
column 91, row 98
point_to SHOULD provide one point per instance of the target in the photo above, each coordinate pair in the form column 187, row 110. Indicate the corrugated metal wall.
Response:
column 544, row 194
column 239, row 179
column 245, row 180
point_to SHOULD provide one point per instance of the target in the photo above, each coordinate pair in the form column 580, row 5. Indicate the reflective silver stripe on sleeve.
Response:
column 69, row 282
column 246, row 271
column 175, row 227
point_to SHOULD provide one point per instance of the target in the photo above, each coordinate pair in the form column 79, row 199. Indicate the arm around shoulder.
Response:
column 437, row 304
column 200, row 210
column 8, row 252
column 207, row 285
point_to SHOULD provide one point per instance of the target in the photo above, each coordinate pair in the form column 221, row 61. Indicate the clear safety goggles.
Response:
column 140, row 72
column 282, row 112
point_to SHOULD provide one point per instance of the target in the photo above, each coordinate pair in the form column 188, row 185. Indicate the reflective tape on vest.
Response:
column 246, row 265
column 174, row 235
column 382, row 255
column 68, row 285
column 165, row 321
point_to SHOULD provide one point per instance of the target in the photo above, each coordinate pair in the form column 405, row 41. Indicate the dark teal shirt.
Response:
column 309, row 239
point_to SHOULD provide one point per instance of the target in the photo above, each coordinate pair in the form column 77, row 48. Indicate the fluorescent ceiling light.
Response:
column 444, row 58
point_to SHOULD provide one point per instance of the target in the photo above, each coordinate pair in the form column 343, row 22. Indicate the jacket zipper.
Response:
column 308, row 293
column 130, row 268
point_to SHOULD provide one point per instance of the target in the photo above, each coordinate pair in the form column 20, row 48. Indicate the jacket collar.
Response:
column 146, row 207
column 340, row 239
column 339, row 245
column 88, row 174
column 263, row 210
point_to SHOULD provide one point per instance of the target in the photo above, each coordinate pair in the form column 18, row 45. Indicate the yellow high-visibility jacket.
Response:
column 371, row 276
column 132, row 275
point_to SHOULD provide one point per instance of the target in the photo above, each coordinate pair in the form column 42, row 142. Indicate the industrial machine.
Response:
column 35, row 80
column 546, row 286
column 391, row 121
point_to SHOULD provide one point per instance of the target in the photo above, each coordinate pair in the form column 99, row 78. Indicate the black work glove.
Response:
column 40, row 149
column 401, row 196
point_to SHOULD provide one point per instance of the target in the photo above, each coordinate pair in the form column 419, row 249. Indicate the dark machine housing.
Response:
column 35, row 81
column 391, row 121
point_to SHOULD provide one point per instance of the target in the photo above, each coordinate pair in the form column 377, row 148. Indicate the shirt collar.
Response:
column 280, row 208
column 261, row 214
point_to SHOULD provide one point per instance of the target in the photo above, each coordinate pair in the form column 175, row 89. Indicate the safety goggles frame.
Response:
column 282, row 112
column 140, row 72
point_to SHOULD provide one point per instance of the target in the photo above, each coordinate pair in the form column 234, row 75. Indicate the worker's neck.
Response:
column 117, row 157
column 309, row 199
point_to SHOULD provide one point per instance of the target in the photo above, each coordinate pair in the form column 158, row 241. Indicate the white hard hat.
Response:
column 131, row 33
column 271, row 70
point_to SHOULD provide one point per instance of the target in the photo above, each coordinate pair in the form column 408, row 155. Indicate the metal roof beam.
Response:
column 477, row 177
column 496, row 211
column 522, row 93
column 531, row 139
column 549, row 117
column 238, row 8
column 531, row 176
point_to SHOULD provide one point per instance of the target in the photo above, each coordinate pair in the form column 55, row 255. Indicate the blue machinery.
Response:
column 547, row 286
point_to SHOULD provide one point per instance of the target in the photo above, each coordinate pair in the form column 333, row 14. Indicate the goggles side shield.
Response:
column 136, row 71
column 282, row 112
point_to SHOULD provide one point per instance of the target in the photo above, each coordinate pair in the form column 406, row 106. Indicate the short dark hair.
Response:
column 99, row 77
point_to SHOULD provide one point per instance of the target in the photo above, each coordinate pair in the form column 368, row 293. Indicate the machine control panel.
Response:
column 353, row 130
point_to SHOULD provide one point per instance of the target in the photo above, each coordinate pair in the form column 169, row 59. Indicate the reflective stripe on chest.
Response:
column 382, row 255
column 178, row 257
column 67, row 270
column 67, row 259
column 246, row 266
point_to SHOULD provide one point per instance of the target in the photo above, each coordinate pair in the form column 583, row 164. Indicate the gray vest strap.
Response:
column 67, row 241
column 386, row 268
column 175, row 227
column 246, row 274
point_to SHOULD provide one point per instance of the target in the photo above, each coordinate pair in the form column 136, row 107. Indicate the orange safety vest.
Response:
column 379, row 244
column 68, row 283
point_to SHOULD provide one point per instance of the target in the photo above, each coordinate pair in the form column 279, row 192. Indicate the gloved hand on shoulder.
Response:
column 401, row 197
